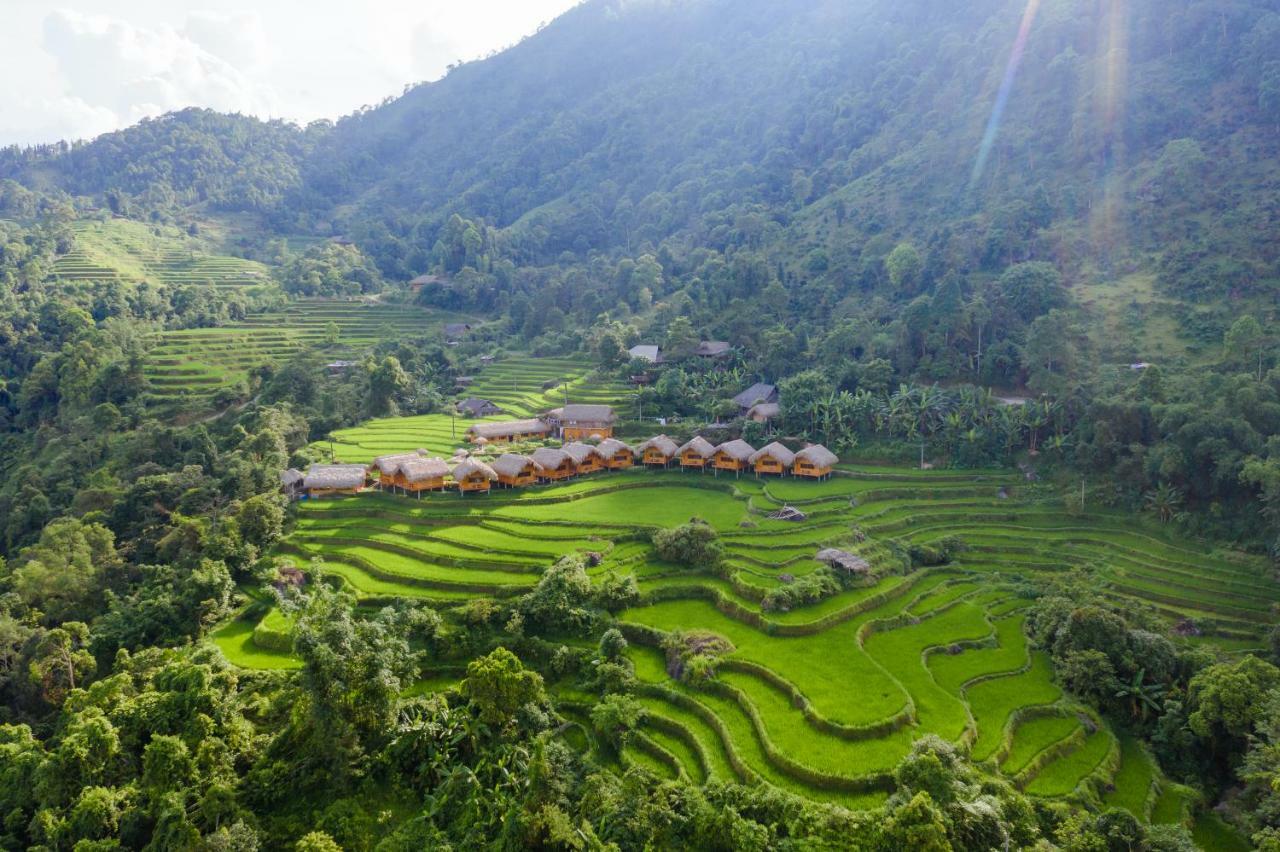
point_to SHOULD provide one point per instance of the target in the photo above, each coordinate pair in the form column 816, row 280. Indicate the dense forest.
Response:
column 905, row 215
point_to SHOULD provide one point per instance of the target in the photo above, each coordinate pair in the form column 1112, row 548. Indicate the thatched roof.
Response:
column 757, row 393
column 550, row 459
column 508, row 427
column 416, row 470
column 579, row 451
column 474, row 467
column 578, row 413
column 765, row 410
column 818, row 456
column 788, row 513
column 610, row 447
column 844, row 560
column 738, row 450
column 477, row 406
column 511, row 464
column 334, row 476
column 775, row 451
column 662, row 444
column 646, row 352
column 711, row 348
column 699, row 445
column 290, row 477
column 388, row 465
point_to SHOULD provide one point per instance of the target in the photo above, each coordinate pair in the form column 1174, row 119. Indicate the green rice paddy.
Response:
column 821, row 700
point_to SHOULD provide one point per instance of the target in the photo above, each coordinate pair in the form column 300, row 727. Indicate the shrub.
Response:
column 695, row 544
column 692, row 655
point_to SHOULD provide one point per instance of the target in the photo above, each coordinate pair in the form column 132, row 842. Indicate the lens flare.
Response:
column 1006, row 86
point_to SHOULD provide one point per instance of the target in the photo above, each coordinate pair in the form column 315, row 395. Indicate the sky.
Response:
column 84, row 67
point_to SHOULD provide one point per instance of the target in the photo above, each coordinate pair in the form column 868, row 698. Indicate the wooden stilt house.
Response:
column 474, row 476
column 696, row 454
column 658, row 452
column 333, row 480
column 733, row 456
column 515, row 471
column 419, row 474
column 616, row 455
column 773, row 459
column 815, row 462
column 585, row 457
column 553, row 465
column 387, row 468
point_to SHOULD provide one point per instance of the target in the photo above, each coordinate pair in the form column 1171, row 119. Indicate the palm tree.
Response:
column 1143, row 697
column 1165, row 500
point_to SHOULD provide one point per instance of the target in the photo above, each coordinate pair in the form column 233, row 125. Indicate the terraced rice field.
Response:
column 822, row 700
column 127, row 251
column 193, row 364
column 516, row 385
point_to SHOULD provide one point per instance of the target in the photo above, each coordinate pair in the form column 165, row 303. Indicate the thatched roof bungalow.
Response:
column 421, row 474
column 386, row 467
column 291, row 482
column 585, row 457
column 732, row 455
column 814, row 461
column 657, row 451
column 578, row 422
column 474, row 475
column 515, row 471
column 616, row 454
column 553, row 464
column 325, row 480
column 508, row 431
column 696, row 453
column 764, row 412
column 773, row 458
column 712, row 349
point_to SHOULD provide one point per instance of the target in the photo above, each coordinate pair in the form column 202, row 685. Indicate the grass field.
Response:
column 127, row 251
column 516, row 385
column 822, row 700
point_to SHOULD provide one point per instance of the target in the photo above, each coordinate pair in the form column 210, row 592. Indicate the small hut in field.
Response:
column 733, row 455
column 815, row 462
column 507, row 432
column 773, row 458
column 585, row 457
column 386, row 468
column 515, row 471
column 291, row 483
column 841, row 560
column 616, row 455
column 553, row 465
column 331, row 480
column 696, row 453
column 658, row 452
column 419, row 474
column 474, row 475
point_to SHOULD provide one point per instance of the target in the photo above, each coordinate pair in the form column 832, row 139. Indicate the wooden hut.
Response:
column 476, row 407
column 733, row 455
column 291, row 483
column 773, row 458
column 331, row 480
column 553, row 465
column 387, row 468
column 515, row 471
column 585, row 457
column 579, row 422
column 658, row 452
column 754, row 395
column 420, row 474
column 843, row 561
column 814, row 461
column 764, row 412
column 616, row 455
column 696, row 453
column 508, row 432
column 474, row 475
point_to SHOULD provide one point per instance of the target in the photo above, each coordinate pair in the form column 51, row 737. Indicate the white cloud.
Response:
column 98, row 65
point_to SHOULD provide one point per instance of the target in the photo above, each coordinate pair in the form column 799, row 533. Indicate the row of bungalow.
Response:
column 414, row 473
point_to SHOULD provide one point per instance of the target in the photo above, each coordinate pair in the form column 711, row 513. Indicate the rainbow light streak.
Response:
column 1006, row 86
